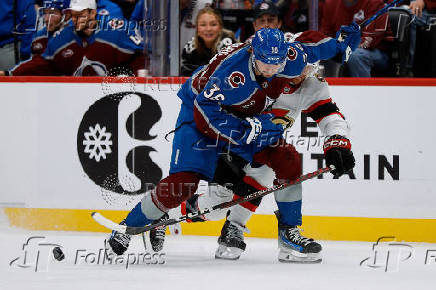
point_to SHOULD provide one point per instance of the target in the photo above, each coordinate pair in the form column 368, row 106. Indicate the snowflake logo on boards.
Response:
column 98, row 142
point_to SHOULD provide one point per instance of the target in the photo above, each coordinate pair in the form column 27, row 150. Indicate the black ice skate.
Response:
column 157, row 235
column 295, row 248
column 231, row 242
column 117, row 243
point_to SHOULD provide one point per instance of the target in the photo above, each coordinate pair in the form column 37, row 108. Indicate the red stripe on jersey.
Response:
column 248, row 205
column 251, row 181
column 310, row 36
column 278, row 112
column 316, row 105
column 338, row 113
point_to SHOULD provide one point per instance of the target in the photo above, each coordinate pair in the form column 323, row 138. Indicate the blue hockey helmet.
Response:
column 269, row 46
column 56, row 4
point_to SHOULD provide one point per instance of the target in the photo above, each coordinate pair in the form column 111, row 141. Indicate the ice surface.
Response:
column 190, row 264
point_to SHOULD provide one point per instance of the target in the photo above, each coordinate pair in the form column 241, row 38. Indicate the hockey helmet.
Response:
column 269, row 46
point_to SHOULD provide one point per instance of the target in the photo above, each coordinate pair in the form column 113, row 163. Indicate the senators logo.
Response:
column 292, row 53
column 236, row 79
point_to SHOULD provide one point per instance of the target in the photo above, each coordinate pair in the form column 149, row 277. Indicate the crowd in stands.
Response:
column 93, row 37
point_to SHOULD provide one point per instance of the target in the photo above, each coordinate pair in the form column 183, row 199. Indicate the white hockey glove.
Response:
column 262, row 124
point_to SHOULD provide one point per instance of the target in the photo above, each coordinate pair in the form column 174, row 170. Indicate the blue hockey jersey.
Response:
column 69, row 54
column 226, row 91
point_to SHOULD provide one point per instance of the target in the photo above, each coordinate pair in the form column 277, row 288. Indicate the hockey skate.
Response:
column 117, row 244
column 157, row 235
column 231, row 242
column 295, row 248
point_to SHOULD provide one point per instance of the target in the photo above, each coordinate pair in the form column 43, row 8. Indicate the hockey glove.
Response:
column 337, row 152
column 261, row 124
column 349, row 39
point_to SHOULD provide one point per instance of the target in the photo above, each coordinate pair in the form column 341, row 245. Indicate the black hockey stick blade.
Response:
column 107, row 223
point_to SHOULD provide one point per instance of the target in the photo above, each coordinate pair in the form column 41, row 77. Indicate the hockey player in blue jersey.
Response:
column 222, row 105
column 54, row 19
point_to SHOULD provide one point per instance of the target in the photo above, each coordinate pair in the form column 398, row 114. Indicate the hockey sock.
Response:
column 143, row 213
column 136, row 217
column 289, row 204
column 290, row 213
column 239, row 215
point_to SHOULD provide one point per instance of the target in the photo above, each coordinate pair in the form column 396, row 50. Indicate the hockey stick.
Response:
column 138, row 230
column 378, row 13
column 364, row 24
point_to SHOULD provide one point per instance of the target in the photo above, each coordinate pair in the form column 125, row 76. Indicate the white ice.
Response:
column 190, row 264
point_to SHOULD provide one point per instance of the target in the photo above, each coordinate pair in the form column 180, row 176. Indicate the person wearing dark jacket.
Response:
column 210, row 37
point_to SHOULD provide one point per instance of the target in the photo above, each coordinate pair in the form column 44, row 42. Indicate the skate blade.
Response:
column 297, row 257
column 228, row 253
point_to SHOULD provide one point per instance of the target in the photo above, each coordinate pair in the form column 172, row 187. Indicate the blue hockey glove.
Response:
column 349, row 38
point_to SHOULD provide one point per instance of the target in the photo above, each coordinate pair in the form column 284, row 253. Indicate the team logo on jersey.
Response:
column 67, row 53
column 103, row 12
column 116, row 24
column 292, row 53
column 285, row 121
column 236, row 79
column 90, row 68
column 113, row 143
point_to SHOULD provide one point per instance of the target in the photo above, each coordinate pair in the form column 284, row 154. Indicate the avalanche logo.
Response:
column 112, row 142
column 90, row 68
column 236, row 79
column 292, row 53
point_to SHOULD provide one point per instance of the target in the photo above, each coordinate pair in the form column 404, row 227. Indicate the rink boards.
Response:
column 71, row 146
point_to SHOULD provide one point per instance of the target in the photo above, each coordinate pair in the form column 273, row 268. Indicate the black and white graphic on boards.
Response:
column 112, row 142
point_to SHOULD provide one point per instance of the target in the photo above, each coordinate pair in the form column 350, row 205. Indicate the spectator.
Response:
column 295, row 15
column 188, row 11
column 83, row 49
column 107, row 8
column 424, row 12
column 17, row 25
column 210, row 36
column 54, row 19
column 371, row 52
column 266, row 15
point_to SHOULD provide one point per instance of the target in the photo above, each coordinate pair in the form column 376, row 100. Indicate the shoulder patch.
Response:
column 292, row 53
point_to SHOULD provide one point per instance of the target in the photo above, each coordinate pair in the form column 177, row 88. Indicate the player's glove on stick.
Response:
column 349, row 38
column 337, row 152
column 261, row 124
